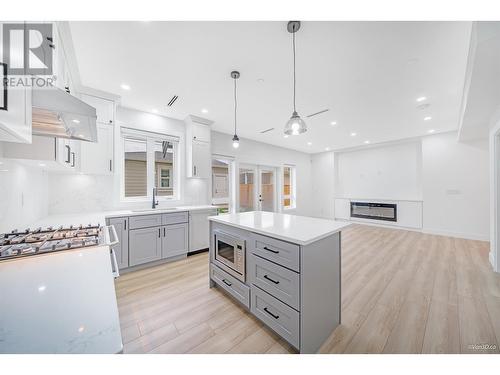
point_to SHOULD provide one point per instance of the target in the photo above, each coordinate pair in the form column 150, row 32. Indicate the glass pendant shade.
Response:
column 295, row 125
column 236, row 141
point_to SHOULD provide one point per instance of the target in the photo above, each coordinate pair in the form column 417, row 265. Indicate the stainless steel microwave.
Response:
column 230, row 253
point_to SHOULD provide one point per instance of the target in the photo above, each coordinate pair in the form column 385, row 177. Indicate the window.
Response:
column 289, row 194
column 149, row 161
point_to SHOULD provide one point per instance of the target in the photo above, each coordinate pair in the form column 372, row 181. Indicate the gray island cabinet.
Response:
column 284, row 269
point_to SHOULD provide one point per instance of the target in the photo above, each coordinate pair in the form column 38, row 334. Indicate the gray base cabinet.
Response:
column 121, row 248
column 149, row 238
column 144, row 245
column 175, row 240
column 293, row 289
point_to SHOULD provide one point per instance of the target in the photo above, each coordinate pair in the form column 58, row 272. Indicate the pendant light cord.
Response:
column 235, row 106
column 293, row 41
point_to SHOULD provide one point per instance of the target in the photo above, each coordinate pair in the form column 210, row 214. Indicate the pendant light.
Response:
column 236, row 141
column 295, row 125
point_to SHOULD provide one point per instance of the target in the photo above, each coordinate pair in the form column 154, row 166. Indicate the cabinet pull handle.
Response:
column 226, row 282
column 68, row 155
column 271, row 280
column 164, row 232
column 73, row 162
column 110, row 166
column 270, row 313
column 271, row 250
column 125, row 224
column 159, row 232
column 194, row 167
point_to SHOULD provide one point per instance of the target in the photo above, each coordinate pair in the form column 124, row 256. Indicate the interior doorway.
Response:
column 222, row 191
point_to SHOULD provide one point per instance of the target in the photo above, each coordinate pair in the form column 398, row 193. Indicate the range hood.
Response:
column 56, row 113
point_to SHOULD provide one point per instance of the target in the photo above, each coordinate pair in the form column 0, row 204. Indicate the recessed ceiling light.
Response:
column 431, row 131
column 353, row 134
column 309, row 143
column 124, row 86
column 428, row 118
column 327, row 148
column 367, row 142
column 333, row 123
column 4, row 170
column 285, row 136
column 41, row 165
column 76, row 121
column 260, row 80
column 154, row 110
column 204, row 110
column 421, row 99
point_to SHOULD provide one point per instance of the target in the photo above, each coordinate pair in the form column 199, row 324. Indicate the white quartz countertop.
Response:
column 62, row 302
column 301, row 230
column 100, row 217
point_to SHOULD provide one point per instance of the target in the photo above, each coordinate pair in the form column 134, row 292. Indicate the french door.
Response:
column 257, row 188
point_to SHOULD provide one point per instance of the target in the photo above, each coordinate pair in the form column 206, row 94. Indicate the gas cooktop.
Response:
column 40, row 241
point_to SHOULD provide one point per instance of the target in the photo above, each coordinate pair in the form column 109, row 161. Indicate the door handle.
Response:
column 271, row 250
column 270, row 313
column 271, row 280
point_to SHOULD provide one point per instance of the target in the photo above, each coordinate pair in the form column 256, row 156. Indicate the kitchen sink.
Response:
column 155, row 210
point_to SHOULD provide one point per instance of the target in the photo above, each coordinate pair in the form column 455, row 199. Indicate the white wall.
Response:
column 74, row 193
column 456, row 186
column 389, row 172
column 23, row 192
column 253, row 152
column 323, row 184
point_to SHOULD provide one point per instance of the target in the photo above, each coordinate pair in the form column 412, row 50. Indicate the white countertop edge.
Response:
column 279, row 236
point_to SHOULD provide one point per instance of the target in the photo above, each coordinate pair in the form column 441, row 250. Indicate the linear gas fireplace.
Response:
column 376, row 211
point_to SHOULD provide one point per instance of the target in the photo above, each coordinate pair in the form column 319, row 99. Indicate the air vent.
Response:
column 267, row 130
column 172, row 101
column 318, row 113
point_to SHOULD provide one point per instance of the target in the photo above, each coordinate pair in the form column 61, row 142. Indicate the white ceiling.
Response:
column 368, row 74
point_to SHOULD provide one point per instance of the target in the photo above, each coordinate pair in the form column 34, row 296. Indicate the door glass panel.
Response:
column 267, row 190
column 247, row 190
column 135, row 171
column 225, row 250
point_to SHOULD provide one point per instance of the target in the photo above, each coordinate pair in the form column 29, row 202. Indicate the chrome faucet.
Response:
column 155, row 202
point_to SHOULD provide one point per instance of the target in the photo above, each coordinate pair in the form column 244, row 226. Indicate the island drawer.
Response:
column 283, row 253
column 231, row 285
column 279, row 317
column 144, row 221
column 174, row 218
column 278, row 281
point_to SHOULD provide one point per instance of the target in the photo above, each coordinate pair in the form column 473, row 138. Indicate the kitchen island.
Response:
column 284, row 268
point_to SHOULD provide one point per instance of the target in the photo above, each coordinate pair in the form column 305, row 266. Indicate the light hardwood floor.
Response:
column 402, row 292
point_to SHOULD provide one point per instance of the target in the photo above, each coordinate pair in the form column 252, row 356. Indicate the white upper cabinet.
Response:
column 97, row 157
column 198, row 147
column 105, row 108
column 201, row 133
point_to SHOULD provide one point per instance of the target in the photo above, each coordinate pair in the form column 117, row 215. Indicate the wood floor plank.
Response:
column 442, row 332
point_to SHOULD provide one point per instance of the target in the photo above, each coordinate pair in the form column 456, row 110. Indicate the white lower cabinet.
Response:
column 199, row 229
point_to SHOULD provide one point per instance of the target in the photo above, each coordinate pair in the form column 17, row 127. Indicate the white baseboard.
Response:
column 467, row 236
column 492, row 261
